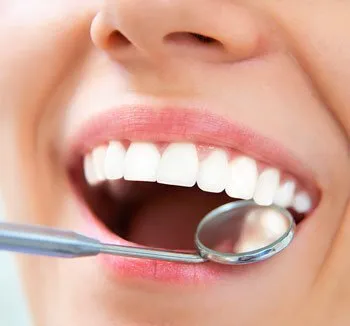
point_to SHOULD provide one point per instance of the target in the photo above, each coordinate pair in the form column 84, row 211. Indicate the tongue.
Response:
column 169, row 219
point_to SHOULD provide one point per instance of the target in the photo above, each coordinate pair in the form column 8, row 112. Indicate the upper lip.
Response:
column 170, row 124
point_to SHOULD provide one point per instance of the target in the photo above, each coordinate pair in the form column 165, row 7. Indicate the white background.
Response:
column 13, row 309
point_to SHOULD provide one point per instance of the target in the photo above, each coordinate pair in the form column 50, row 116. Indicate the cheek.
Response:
column 38, row 45
column 37, row 50
column 319, row 34
column 328, row 60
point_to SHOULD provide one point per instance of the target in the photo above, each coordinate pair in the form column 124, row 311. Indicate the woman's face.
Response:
column 247, row 96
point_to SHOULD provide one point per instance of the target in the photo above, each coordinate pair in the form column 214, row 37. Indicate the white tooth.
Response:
column 141, row 162
column 114, row 161
column 213, row 171
column 284, row 194
column 243, row 174
column 179, row 165
column 256, row 231
column 98, row 159
column 302, row 202
column 89, row 171
column 266, row 187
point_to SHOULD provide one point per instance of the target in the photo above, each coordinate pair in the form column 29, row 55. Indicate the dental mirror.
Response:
column 240, row 232
column 243, row 232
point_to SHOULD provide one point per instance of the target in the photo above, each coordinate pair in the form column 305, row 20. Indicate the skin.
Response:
column 58, row 68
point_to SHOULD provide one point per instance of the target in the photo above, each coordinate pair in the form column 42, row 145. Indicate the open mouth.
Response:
column 153, row 192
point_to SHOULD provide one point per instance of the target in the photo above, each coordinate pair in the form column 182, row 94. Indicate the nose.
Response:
column 214, row 30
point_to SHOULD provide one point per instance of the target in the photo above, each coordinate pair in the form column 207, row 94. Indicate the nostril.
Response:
column 187, row 38
column 117, row 39
column 204, row 39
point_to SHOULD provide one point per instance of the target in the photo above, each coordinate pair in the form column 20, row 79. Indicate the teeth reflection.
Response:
column 273, row 224
column 247, row 245
column 260, row 229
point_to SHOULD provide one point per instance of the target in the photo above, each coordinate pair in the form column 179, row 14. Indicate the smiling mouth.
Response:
column 148, row 177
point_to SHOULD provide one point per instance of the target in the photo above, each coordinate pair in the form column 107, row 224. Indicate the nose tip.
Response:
column 203, row 29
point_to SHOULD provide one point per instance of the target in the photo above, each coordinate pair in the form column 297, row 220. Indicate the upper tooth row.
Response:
column 179, row 165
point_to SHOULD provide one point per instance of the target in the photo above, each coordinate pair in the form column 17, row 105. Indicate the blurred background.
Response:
column 13, row 308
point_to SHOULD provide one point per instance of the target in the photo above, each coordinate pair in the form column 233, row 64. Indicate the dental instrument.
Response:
column 236, row 233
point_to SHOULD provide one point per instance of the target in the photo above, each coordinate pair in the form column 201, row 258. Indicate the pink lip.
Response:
column 168, row 125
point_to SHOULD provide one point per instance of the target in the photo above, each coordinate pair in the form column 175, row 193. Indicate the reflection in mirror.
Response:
column 247, row 229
